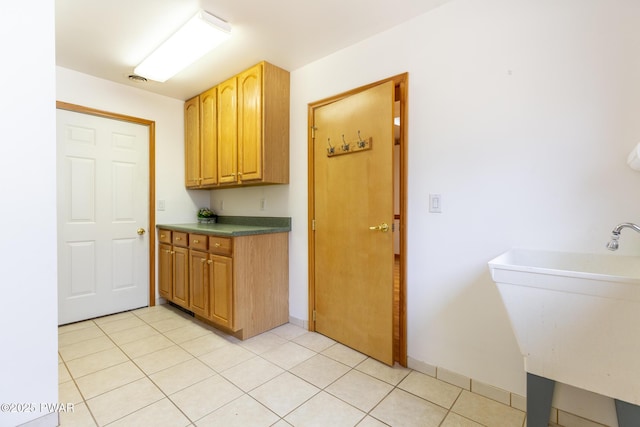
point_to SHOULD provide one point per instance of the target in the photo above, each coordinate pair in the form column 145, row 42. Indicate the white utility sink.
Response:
column 576, row 317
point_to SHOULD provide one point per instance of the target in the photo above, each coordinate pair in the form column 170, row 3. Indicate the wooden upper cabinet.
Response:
column 192, row 142
column 250, row 124
column 275, row 124
column 209, row 137
column 200, row 140
column 263, row 125
column 227, row 131
column 252, row 129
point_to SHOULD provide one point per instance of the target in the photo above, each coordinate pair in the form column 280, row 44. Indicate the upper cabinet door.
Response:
column 250, row 124
column 209, row 137
column 192, row 142
column 227, row 131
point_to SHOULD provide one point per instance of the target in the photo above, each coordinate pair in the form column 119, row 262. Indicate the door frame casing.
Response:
column 401, row 82
column 152, row 179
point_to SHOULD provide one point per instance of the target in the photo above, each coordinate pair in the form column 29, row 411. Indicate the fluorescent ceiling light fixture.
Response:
column 198, row 36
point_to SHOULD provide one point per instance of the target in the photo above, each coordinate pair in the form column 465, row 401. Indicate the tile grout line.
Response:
column 138, row 367
column 192, row 422
column 129, row 359
column 287, row 339
column 141, row 370
column 79, row 391
column 450, row 410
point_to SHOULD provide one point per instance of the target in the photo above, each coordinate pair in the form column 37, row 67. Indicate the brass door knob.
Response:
column 140, row 231
column 384, row 227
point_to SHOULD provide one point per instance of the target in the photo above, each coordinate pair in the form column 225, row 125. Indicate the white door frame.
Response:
column 152, row 179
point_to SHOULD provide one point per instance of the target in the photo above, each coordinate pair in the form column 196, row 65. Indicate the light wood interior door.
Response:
column 353, row 200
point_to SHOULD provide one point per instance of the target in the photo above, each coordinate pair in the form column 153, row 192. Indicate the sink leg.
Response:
column 628, row 414
column 539, row 397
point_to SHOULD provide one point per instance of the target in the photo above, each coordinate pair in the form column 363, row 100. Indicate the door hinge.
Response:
column 314, row 315
column 313, row 225
column 393, row 227
column 313, row 132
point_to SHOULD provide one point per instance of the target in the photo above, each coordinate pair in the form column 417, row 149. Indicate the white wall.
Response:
column 521, row 114
column 28, row 309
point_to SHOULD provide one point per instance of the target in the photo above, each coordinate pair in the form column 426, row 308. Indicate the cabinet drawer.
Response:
column 198, row 241
column 220, row 245
column 180, row 238
column 164, row 236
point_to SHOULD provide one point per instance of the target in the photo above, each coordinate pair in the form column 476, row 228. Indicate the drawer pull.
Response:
column 162, row 236
column 217, row 245
column 178, row 238
column 196, row 241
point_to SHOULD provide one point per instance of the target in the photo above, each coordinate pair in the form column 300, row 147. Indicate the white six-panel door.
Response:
column 102, row 205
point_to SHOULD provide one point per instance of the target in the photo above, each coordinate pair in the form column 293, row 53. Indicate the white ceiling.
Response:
column 108, row 38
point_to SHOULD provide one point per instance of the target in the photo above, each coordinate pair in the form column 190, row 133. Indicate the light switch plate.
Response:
column 435, row 203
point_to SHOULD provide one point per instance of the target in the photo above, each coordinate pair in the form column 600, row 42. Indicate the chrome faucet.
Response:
column 615, row 234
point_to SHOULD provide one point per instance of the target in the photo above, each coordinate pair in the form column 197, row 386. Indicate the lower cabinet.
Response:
column 199, row 280
column 173, row 274
column 222, row 291
column 180, row 269
column 239, row 284
column 165, row 271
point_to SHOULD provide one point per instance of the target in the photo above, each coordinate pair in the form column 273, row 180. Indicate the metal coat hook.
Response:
column 331, row 149
column 361, row 143
column 345, row 146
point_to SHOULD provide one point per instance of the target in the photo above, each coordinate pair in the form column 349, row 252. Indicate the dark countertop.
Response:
column 232, row 226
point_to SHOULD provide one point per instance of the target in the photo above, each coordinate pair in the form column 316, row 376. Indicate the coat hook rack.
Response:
column 349, row 147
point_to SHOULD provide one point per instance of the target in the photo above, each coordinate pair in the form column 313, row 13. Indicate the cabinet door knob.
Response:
column 209, row 261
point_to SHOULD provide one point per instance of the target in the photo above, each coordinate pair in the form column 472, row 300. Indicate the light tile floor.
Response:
column 159, row 367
